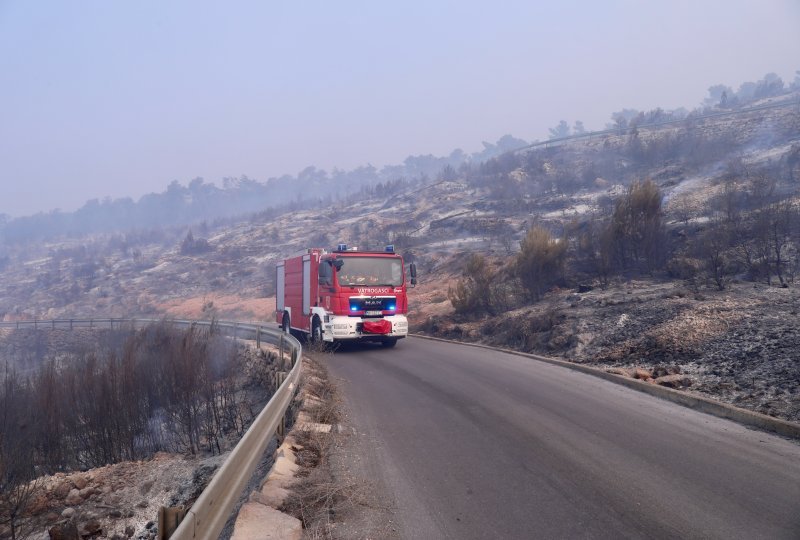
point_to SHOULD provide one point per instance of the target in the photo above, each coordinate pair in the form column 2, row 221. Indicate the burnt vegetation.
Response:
column 134, row 394
column 745, row 227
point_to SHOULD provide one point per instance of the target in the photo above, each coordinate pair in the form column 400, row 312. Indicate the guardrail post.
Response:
column 280, row 348
column 35, row 324
column 70, row 324
column 281, row 431
column 168, row 521
column 91, row 323
column 54, row 324
column 258, row 337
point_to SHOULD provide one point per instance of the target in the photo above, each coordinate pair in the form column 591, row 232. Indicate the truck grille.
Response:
column 373, row 304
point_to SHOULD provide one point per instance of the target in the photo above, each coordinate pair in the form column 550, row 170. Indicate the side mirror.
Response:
column 412, row 268
column 338, row 263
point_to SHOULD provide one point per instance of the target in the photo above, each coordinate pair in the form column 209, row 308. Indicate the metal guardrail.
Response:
column 206, row 518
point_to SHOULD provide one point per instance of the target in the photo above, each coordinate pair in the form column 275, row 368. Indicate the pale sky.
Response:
column 102, row 98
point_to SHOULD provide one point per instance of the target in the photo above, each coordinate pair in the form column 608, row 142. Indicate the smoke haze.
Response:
column 101, row 100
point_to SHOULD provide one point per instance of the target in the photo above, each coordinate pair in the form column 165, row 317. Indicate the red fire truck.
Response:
column 345, row 295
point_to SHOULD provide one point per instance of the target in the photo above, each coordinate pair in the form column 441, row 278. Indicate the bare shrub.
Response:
column 319, row 498
column 156, row 389
column 18, row 467
column 194, row 246
column 637, row 227
column 540, row 262
column 473, row 293
column 713, row 248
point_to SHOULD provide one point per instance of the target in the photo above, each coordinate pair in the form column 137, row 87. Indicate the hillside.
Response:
column 733, row 337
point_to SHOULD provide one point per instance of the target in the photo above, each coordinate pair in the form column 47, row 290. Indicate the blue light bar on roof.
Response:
column 341, row 247
column 390, row 248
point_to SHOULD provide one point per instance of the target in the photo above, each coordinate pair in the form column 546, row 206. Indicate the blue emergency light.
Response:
column 390, row 248
column 341, row 247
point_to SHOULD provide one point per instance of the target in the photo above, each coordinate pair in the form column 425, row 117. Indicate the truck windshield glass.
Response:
column 371, row 272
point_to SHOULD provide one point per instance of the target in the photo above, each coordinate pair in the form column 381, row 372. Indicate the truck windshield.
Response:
column 371, row 272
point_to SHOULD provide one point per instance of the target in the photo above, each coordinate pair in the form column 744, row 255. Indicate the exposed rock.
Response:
column 79, row 481
column 87, row 492
column 62, row 489
column 92, row 527
column 64, row 531
column 674, row 381
column 68, row 513
column 661, row 371
column 146, row 487
column 620, row 371
column 39, row 503
column 73, row 498
column 641, row 373
column 51, row 517
column 259, row 521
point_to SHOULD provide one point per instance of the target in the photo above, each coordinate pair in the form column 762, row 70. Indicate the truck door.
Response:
column 306, row 285
column 280, row 287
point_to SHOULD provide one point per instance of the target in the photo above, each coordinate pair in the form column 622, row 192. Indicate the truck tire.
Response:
column 286, row 324
column 388, row 343
column 316, row 331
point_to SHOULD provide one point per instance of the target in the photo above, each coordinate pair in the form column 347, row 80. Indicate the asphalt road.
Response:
column 471, row 443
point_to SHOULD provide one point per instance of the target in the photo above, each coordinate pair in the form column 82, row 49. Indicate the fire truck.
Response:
column 345, row 295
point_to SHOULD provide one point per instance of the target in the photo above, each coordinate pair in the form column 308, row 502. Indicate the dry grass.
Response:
column 323, row 405
column 319, row 498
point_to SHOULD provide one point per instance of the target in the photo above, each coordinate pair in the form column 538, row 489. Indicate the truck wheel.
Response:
column 285, row 325
column 388, row 343
column 316, row 331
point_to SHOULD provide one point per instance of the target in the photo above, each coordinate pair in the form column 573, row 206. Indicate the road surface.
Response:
column 472, row 443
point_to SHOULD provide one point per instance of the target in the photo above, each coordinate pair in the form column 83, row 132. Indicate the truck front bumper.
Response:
column 337, row 327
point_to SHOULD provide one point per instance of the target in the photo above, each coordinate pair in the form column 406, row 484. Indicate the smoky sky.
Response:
column 109, row 99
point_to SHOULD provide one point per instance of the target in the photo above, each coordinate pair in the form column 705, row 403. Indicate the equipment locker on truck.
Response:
column 345, row 295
